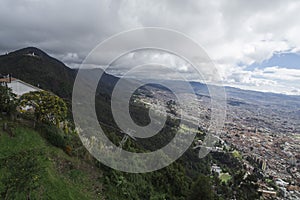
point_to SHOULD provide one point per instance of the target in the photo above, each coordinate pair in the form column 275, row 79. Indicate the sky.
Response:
column 254, row 44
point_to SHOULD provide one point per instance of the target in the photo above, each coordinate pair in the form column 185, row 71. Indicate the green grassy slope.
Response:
column 32, row 169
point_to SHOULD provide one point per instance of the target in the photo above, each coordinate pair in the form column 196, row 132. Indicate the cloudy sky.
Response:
column 254, row 44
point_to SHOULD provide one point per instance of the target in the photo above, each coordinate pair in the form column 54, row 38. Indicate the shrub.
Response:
column 53, row 135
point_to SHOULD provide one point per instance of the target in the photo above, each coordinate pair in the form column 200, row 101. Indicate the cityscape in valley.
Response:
column 263, row 127
column 150, row 100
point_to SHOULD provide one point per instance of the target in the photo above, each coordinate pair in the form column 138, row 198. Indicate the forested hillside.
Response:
column 42, row 160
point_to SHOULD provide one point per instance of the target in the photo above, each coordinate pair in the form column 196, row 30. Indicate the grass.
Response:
column 224, row 177
column 29, row 168
column 25, row 138
column 237, row 155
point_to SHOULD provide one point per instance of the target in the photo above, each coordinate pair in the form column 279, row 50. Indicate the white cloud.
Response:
column 234, row 33
column 273, row 79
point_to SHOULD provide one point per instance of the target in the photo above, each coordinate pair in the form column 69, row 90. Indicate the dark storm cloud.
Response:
column 233, row 33
column 75, row 27
column 58, row 27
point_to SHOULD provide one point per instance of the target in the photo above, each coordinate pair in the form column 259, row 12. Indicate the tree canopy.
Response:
column 46, row 106
column 202, row 189
column 8, row 101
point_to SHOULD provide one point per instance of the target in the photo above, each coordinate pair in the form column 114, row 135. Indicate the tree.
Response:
column 8, row 101
column 47, row 108
column 248, row 189
column 202, row 189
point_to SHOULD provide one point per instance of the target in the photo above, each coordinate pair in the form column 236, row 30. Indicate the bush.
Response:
column 53, row 135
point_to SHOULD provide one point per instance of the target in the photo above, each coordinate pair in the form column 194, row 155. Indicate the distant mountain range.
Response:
column 34, row 66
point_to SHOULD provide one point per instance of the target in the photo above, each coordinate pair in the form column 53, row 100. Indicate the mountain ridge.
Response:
column 21, row 63
column 34, row 66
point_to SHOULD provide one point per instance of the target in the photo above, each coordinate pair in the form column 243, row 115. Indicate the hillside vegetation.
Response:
column 31, row 168
column 38, row 160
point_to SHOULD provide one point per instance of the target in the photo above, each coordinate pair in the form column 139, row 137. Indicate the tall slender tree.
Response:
column 8, row 101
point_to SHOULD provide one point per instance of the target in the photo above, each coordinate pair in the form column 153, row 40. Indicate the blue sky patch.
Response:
column 284, row 60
